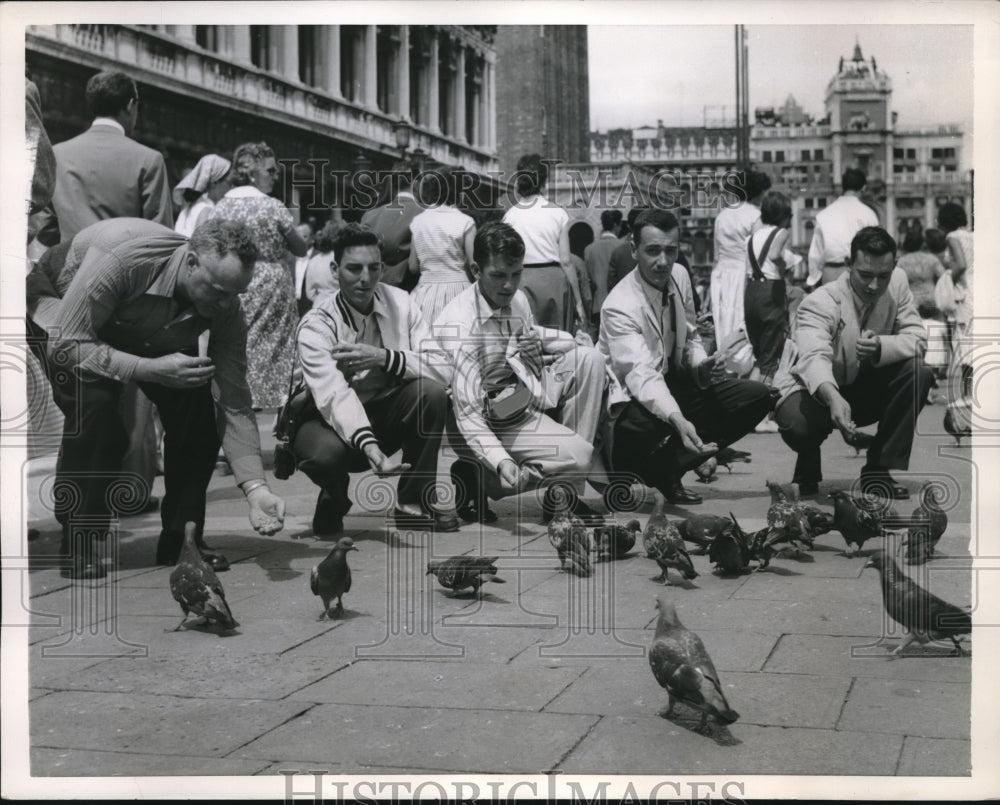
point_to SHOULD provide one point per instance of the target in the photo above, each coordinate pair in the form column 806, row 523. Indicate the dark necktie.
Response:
column 667, row 299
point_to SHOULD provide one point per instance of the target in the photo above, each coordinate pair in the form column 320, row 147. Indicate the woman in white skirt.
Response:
column 441, row 251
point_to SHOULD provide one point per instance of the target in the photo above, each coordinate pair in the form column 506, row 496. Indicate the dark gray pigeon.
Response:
column 458, row 572
column 859, row 519
column 924, row 616
column 615, row 540
column 928, row 526
column 331, row 578
column 195, row 586
column 682, row 666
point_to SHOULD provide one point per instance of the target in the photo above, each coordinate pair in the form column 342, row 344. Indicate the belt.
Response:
column 841, row 264
column 543, row 265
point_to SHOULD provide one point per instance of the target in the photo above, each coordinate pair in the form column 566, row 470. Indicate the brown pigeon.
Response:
column 663, row 543
column 458, row 572
column 195, row 586
column 924, row 616
column 331, row 578
column 682, row 666
column 615, row 540
column 928, row 525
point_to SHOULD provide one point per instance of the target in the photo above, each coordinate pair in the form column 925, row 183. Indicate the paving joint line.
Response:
column 288, row 720
column 576, row 743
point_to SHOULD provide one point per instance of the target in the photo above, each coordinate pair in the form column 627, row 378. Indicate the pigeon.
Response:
column 331, row 578
column 615, row 540
column 956, row 421
column 195, row 586
column 727, row 456
column 859, row 440
column 788, row 522
column 923, row 616
column 702, row 529
column 781, row 492
column 858, row 519
column 683, row 668
column 820, row 522
column 929, row 523
column 730, row 551
column 706, row 470
column 458, row 572
column 569, row 537
column 663, row 543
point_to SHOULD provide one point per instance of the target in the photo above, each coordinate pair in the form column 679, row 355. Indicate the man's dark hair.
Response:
column 853, row 179
column 109, row 93
column 936, row 241
column 756, row 184
column 951, row 216
column 634, row 213
column 610, row 219
column 220, row 237
column 497, row 239
column 775, row 208
column 532, row 174
column 663, row 220
column 354, row 234
column 873, row 241
column 913, row 240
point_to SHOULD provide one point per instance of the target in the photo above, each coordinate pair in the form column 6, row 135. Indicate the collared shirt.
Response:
column 114, row 301
column 665, row 311
column 476, row 340
column 836, row 227
column 108, row 121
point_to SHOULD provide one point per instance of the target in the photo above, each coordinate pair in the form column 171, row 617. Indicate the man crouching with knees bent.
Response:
column 373, row 392
column 670, row 405
column 527, row 398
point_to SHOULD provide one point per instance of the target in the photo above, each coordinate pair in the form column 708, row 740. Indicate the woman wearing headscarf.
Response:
column 198, row 192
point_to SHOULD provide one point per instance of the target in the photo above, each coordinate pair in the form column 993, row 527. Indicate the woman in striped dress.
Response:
column 441, row 251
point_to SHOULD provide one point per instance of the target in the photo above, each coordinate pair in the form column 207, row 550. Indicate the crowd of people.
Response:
column 539, row 367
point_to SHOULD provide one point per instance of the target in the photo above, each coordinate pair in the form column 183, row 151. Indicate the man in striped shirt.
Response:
column 128, row 304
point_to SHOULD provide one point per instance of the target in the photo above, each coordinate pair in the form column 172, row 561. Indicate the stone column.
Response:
column 459, row 106
column 331, row 60
column 240, row 44
column 433, row 87
column 491, row 102
column 403, row 72
column 289, row 64
column 185, row 33
column 369, row 84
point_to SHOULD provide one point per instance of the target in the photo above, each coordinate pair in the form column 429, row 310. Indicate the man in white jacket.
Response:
column 373, row 391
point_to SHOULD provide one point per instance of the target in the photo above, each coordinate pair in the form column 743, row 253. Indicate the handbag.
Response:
column 508, row 405
column 297, row 409
column 945, row 296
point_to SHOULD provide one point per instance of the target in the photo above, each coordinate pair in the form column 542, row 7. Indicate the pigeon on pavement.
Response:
column 458, row 572
column 331, row 578
column 702, row 529
column 683, row 668
column 859, row 440
column 706, row 470
column 569, row 537
column 195, row 586
column 615, row 540
column 728, row 456
column 924, row 616
column 781, row 492
column 663, row 543
column 929, row 524
column 858, row 519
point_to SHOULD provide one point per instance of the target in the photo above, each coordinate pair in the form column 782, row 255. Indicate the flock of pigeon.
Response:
column 677, row 656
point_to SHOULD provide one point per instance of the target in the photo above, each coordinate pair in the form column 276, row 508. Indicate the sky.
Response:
column 685, row 68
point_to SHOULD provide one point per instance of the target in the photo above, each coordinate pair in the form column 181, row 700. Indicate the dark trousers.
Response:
column 411, row 418
column 891, row 395
column 765, row 311
column 89, row 479
column 723, row 413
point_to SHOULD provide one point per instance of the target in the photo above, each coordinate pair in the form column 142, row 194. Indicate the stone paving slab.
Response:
column 908, row 707
column 654, row 745
column 935, row 757
column 144, row 724
column 424, row 738
column 90, row 763
column 228, row 675
column 832, row 656
column 467, row 685
column 49, row 672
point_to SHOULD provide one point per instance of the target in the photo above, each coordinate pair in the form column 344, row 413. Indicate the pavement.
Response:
column 545, row 673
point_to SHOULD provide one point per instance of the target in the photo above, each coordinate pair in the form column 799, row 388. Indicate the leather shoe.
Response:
column 677, row 494
column 471, row 502
column 326, row 521
column 439, row 522
column 883, row 485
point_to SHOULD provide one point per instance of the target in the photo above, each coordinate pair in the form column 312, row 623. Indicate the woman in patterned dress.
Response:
column 953, row 221
column 442, row 244
column 269, row 302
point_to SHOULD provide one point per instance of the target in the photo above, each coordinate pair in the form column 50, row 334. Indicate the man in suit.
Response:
column 103, row 173
column 100, row 174
column 392, row 223
column 597, row 257
column 835, row 226
column 666, row 392
column 860, row 346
